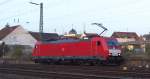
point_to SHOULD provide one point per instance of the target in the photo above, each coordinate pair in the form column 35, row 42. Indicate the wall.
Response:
column 19, row 37
column 121, row 40
column 17, row 52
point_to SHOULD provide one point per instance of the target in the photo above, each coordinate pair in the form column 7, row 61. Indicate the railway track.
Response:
column 75, row 68
column 55, row 74
column 71, row 72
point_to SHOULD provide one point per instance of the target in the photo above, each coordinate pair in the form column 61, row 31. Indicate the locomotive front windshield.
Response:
column 112, row 43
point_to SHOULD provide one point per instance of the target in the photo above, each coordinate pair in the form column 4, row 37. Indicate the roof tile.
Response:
column 7, row 30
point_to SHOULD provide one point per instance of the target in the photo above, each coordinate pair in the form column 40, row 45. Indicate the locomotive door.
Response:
column 96, row 48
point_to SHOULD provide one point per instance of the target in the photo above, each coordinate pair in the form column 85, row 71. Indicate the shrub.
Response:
column 147, row 47
column 17, row 54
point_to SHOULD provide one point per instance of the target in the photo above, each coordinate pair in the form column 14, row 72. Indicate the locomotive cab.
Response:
column 100, row 48
column 114, row 47
column 114, row 51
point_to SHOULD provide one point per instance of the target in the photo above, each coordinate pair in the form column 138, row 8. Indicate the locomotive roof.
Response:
column 66, row 40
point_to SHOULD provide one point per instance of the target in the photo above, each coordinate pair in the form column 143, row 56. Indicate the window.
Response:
column 98, row 43
column 112, row 43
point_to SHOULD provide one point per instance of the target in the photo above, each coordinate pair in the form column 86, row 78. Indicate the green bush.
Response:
column 147, row 49
column 17, row 54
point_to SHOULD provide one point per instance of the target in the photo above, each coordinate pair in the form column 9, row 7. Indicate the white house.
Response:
column 17, row 35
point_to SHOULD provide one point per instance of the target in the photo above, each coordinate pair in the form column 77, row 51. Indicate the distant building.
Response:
column 131, row 40
column 147, row 37
column 71, row 34
column 72, row 31
column 45, row 36
column 125, row 36
column 17, row 35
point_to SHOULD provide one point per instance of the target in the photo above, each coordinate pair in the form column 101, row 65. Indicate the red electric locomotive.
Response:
column 93, row 50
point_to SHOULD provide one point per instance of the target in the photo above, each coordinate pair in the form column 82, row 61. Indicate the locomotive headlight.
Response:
column 119, row 54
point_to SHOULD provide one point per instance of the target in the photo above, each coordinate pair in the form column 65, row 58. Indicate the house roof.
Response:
column 45, row 36
column 125, row 35
column 147, row 36
column 7, row 30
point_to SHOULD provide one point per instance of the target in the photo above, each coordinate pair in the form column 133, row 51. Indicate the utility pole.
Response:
column 41, row 19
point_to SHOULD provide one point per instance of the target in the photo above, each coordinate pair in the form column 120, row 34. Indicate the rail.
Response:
column 72, row 72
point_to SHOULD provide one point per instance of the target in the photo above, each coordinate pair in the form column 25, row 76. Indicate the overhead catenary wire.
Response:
column 5, row 2
column 21, row 14
column 17, row 15
column 24, row 13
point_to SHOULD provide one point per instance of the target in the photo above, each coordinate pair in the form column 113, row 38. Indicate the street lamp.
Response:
column 41, row 18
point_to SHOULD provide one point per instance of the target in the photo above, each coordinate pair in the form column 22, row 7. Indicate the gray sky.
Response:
column 116, row 15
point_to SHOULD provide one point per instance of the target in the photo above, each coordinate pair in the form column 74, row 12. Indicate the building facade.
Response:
column 130, row 40
column 17, row 35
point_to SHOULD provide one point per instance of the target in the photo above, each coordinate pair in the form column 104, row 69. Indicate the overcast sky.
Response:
column 62, row 15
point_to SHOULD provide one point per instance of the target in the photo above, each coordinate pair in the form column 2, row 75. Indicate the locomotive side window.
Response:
column 98, row 43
